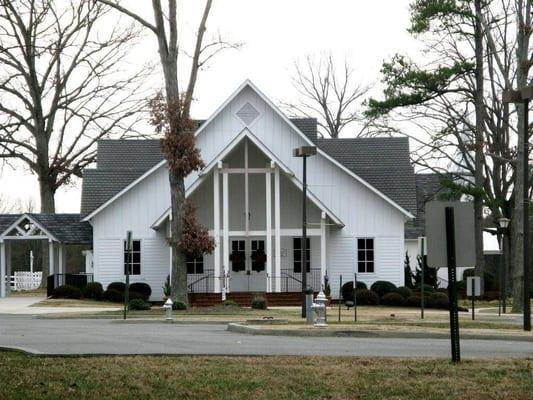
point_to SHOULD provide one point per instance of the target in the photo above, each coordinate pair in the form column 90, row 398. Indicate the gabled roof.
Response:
column 310, row 140
column 64, row 228
column 382, row 162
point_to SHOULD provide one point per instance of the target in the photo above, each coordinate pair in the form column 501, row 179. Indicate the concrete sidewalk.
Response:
column 22, row 305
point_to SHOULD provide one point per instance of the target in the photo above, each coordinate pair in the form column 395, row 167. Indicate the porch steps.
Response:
column 244, row 299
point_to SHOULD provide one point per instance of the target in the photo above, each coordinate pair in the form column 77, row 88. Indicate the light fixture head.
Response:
column 512, row 96
column 304, row 151
column 503, row 222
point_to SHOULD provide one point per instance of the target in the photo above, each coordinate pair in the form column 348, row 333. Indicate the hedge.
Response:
column 143, row 288
column 66, row 292
column 382, row 287
column 259, row 303
column 139, row 304
column 393, row 299
column 113, row 296
column 118, row 286
column 347, row 290
column 93, row 290
column 404, row 291
column 367, row 297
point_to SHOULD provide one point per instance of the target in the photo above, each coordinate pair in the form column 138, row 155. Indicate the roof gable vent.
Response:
column 247, row 114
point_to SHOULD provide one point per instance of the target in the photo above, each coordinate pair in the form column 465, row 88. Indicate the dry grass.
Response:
column 28, row 293
column 142, row 377
column 75, row 303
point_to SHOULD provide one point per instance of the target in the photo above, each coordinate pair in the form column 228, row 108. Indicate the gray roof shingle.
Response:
column 67, row 228
column 382, row 162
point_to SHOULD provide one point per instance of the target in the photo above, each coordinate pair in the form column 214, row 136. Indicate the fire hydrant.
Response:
column 168, row 309
column 319, row 307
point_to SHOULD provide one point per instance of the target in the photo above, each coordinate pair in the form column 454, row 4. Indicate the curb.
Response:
column 252, row 330
column 171, row 322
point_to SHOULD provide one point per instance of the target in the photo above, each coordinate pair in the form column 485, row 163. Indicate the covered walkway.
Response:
column 59, row 230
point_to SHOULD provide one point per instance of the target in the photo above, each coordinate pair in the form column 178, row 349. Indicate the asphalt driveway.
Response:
column 102, row 336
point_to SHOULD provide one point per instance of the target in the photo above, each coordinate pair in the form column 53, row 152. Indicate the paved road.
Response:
column 25, row 305
column 86, row 336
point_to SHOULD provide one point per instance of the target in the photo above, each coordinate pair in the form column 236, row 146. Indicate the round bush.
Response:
column 179, row 306
column 347, row 290
column 230, row 303
column 427, row 288
column 136, row 296
column 413, row 301
column 404, row 291
column 139, row 304
column 119, row 286
column 382, row 287
column 367, row 297
column 393, row 299
column 66, row 292
column 142, row 288
column 93, row 291
column 113, row 296
column 259, row 303
column 437, row 300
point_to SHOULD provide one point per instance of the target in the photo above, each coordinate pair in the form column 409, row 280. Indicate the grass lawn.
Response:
column 28, row 293
column 144, row 377
column 75, row 303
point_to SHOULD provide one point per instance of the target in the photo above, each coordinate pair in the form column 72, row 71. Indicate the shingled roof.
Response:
column 383, row 162
column 66, row 228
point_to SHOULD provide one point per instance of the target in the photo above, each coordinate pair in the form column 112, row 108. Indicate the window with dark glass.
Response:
column 238, row 256
column 195, row 265
column 134, row 265
column 297, row 254
column 258, row 255
column 365, row 255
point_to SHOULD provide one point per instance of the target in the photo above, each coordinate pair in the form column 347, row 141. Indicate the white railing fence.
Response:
column 24, row 280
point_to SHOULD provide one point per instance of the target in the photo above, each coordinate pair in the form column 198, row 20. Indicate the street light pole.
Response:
column 304, row 152
column 504, row 225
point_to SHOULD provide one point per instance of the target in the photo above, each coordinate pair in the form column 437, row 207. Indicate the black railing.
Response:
column 201, row 283
column 79, row 280
column 292, row 281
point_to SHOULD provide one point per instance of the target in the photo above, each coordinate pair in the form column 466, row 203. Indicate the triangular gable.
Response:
column 211, row 162
column 33, row 230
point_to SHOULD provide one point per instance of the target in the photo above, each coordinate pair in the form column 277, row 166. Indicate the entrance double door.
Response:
column 248, row 265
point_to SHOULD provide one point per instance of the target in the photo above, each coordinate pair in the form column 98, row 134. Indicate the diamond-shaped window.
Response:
column 247, row 114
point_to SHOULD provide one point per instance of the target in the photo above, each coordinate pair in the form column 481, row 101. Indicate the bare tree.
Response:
column 173, row 118
column 63, row 86
column 327, row 91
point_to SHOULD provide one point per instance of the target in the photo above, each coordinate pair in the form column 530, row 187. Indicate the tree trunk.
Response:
column 179, row 270
column 479, row 106
column 47, row 195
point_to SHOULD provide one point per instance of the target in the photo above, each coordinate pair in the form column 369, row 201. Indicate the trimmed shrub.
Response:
column 139, row 304
column 427, row 288
column 113, row 296
column 259, row 303
column 437, row 300
column 382, row 287
column 413, row 301
column 367, row 297
column 93, row 291
column 119, row 286
column 142, row 288
column 347, row 290
column 179, row 306
column 66, row 292
column 393, row 299
column 230, row 303
column 136, row 296
column 404, row 291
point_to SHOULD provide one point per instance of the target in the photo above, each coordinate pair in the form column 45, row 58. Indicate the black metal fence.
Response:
column 201, row 283
column 79, row 280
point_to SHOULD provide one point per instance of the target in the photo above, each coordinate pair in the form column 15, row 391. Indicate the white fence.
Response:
column 23, row 280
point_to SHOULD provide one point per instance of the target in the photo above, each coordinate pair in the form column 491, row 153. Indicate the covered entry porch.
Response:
column 56, row 231
column 251, row 204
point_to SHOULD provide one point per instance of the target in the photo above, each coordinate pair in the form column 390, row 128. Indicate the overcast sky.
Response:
column 275, row 33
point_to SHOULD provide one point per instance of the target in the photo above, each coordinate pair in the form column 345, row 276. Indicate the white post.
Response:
column 8, row 267
column 268, row 252
column 60, row 260
column 277, row 229
column 225, row 228
column 323, row 259
column 216, row 227
column 50, row 258
column 2, row 269
column 31, row 261
column 246, row 190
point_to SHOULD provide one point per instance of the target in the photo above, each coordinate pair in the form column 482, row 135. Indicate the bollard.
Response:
column 168, row 309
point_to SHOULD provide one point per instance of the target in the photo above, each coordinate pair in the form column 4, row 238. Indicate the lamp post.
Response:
column 304, row 152
column 523, row 97
column 504, row 225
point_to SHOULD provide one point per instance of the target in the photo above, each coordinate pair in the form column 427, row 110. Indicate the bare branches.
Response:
column 64, row 85
column 329, row 91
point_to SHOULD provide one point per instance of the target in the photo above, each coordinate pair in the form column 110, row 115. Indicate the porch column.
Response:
column 51, row 266
column 61, row 265
column 216, row 227
column 277, row 229
column 323, row 258
column 2, row 269
column 268, row 251
column 225, row 228
column 8, row 267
